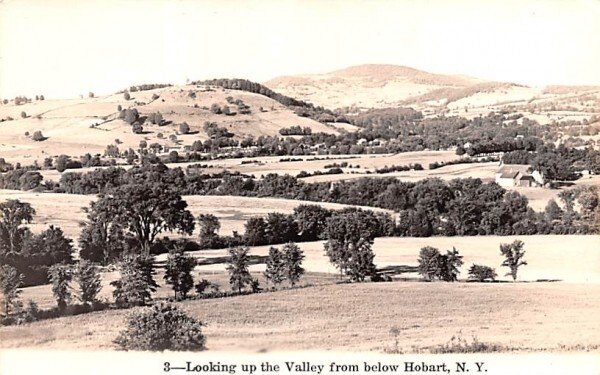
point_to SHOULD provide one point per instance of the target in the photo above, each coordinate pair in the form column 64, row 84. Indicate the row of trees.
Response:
column 434, row 265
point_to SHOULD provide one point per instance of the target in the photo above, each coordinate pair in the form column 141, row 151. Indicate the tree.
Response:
column 101, row 239
column 89, row 281
column 433, row 264
column 350, row 235
column 13, row 213
column 513, row 254
column 311, row 220
column 90, row 94
column 131, row 115
column 275, row 267
column 280, row 228
column 292, row 260
column 137, row 129
column 184, row 128
column 178, row 273
column 256, row 231
column 209, row 229
column 60, row 275
column 126, row 95
column 38, row 136
column 62, row 163
column 481, row 273
column 239, row 276
column 429, row 262
column 161, row 327
column 10, row 282
column 23, row 114
column 553, row 211
column 144, row 210
column 136, row 285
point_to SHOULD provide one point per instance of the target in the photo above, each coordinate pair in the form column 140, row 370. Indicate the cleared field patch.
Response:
column 526, row 316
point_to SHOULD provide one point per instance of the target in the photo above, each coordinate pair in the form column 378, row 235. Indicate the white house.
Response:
column 509, row 175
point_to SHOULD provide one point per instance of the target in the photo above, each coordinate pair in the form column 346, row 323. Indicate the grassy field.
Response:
column 566, row 258
column 523, row 316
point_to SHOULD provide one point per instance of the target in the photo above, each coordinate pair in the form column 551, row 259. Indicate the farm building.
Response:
column 510, row 175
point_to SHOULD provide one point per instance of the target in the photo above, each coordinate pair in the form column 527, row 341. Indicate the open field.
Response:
column 65, row 210
column 525, row 316
column 572, row 258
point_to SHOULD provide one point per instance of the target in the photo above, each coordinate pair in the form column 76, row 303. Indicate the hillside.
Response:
column 87, row 125
column 379, row 86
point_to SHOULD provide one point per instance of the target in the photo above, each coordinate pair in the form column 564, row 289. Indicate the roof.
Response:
column 510, row 175
column 513, row 168
column 527, row 177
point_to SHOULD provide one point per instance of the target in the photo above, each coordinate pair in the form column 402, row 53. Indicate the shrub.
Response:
column 23, row 114
column 481, row 273
column 38, row 136
column 126, row 95
column 88, row 279
column 119, row 108
column 10, row 281
column 161, row 327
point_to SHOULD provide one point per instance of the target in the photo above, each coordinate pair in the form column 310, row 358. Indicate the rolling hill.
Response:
column 87, row 125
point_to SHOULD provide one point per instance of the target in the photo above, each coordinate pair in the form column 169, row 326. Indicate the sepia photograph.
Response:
column 383, row 177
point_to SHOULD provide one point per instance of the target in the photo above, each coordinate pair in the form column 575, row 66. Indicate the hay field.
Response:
column 569, row 258
column 65, row 210
column 523, row 316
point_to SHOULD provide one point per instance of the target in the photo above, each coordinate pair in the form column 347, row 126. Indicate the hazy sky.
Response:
column 66, row 48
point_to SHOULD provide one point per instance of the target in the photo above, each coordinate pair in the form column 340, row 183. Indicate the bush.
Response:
column 126, row 95
column 161, row 327
column 481, row 273
column 23, row 114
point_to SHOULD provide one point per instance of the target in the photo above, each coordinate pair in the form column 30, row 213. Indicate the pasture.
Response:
column 519, row 316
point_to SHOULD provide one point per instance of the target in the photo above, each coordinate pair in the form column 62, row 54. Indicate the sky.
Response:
column 64, row 48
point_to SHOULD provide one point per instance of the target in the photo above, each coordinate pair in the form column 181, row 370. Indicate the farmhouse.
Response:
column 510, row 175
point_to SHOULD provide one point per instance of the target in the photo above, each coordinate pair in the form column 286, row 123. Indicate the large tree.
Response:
column 13, row 213
column 146, row 210
column 292, row 261
column 239, row 276
column 513, row 257
column 350, row 234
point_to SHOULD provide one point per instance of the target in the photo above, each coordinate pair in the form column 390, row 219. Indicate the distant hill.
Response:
column 379, row 86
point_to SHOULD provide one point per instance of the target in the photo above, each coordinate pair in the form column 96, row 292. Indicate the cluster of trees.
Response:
column 149, row 86
column 434, row 265
column 296, row 130
column 302, row 108
column 31, row 254
column 21, row 179
column 428, row 207
column 437, row 164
